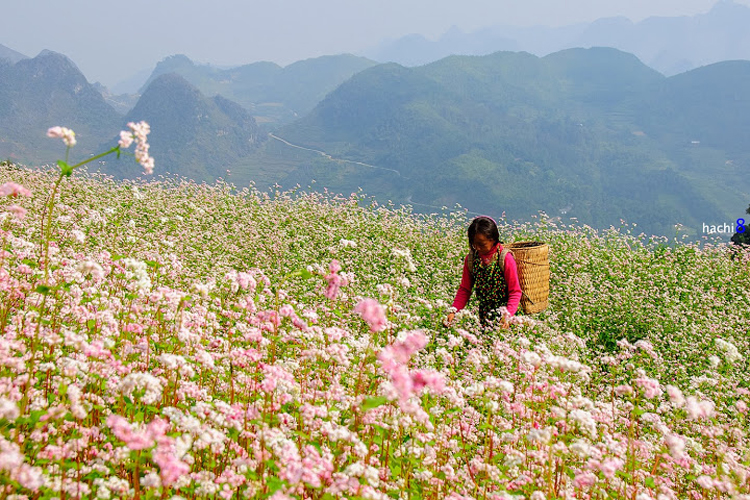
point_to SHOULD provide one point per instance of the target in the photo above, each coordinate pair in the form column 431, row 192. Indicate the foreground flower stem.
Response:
column 65, row 171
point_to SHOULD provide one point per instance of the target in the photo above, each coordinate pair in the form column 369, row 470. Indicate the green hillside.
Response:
column 49, row 90
column 191, row 134
column 593, row 134
column 273, row 94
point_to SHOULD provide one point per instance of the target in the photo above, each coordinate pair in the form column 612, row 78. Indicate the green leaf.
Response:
column 43, row 289
column 63, row 390
column 65, row 168
column 649, row 482
column 274, row 484
column 303, row 273
column 374, row 402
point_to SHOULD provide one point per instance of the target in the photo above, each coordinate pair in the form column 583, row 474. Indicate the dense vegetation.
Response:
column 593, row 134
column 213, row 342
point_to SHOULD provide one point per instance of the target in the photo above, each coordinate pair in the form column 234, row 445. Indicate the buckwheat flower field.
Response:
column 206, row 341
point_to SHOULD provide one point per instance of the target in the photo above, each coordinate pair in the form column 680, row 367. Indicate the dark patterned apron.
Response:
column 490, row 288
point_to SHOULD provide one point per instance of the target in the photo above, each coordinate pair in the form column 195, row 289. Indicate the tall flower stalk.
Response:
column 138, row 133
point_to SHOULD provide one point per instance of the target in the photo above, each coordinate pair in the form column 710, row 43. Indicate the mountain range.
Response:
column 274, row 95
column 589, row 133
column 10, row 55
column 670, row 45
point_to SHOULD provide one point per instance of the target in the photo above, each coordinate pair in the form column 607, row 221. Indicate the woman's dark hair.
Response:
column 484, row 226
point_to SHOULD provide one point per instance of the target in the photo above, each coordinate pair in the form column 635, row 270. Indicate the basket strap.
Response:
column 501, row 259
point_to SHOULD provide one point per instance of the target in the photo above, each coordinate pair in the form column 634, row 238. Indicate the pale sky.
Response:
column 111, row 41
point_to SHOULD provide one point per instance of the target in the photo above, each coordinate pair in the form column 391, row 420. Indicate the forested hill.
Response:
column 273, row 94
column 590, row 133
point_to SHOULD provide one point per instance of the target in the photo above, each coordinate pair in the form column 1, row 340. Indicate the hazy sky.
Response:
column 111, row 41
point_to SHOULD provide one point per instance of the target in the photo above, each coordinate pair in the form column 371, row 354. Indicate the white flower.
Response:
column 532, row 358
column 67, row 135
column 730, row 350
column 580, row 447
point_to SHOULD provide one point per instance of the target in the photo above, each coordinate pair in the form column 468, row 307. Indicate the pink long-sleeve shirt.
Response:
column 511, row 279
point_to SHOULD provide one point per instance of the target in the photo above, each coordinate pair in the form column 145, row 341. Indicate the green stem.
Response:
column 47, row 228
column 100, row 155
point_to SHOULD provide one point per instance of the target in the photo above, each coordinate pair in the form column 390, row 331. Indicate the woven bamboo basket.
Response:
column 532, row 260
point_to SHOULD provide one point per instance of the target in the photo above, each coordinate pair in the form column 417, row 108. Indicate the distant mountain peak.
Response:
column 11, row 55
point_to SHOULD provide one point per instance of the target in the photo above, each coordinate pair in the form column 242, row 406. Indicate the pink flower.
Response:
column 610, row 466
column 623, row 390
column 651, row 387
column 67, row 135
column 138, row 132
column 126, row 139
column 334, row 266
column 135, row 440
column 675, row 396
column 676, row 445
column 17, row 211
column 705, row 482
column 12, row 189
column 584, row 480
column 334, row 284
column 373, row 313
column 170, row 466
column 699, row 409
column 741, row 406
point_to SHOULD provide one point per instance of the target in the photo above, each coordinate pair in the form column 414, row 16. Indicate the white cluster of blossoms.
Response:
column 139, row 271
column 89, row 267
column 730, row 350
column 585, row 421
column 138, row 132
column 67, row 135
column 406, row 255
column 565, row 364
column 152, row 386
column 177, row 362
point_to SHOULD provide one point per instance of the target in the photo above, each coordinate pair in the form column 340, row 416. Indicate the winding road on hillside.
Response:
column 361, row 164
column 329, row 157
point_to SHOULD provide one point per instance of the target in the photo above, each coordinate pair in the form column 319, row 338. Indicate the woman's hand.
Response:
column 449, row 320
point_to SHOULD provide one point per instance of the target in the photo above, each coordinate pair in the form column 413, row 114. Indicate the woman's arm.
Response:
column 464, row 289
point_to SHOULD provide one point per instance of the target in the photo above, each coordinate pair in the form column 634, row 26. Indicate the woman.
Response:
column 496, row 284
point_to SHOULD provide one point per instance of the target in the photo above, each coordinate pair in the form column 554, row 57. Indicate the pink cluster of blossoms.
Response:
column 165, row 456
column 373, row 313
column 67, row 135
column 407, row 383
column 13, row 190
column 138, row 132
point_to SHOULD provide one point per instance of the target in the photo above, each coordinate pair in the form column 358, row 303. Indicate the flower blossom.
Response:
column 138, row 132
column 333, row 279
column 373, row 313
column 12, row 189
column 67, row 135
column 699, row 409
